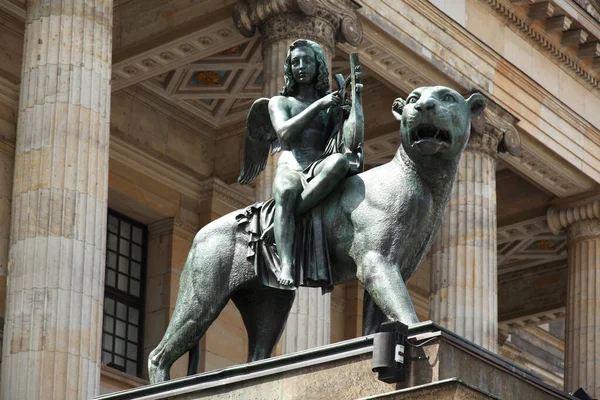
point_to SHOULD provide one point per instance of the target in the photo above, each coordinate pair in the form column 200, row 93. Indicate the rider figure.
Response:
column 303, row 123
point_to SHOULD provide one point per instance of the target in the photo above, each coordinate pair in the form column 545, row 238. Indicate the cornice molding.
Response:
column 540, row 37
column 194, row 46
column 532, row 320
column 172, row 226
column 536, row 163
column 217, row 189
column 162, row 171
column 176, row 178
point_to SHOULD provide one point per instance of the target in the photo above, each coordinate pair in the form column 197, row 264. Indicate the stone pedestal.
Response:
column 582, row 344
column 51, row 346
column 280, row 24
column 441, row 366
column 464, row 263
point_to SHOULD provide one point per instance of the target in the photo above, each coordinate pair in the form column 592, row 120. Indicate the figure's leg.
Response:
column 383, row 280
column 193, row 314
column 327, row 175
column 265, row 313
column 286, row 190
column 373, row 317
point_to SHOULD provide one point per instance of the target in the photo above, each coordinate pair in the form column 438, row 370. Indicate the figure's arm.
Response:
column 288, row 128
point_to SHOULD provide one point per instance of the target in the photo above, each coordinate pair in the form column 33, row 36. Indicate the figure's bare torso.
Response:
column 310, row 144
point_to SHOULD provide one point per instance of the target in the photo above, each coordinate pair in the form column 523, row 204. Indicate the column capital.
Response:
column 559, row 218
column 495, row 132
column 325, row 21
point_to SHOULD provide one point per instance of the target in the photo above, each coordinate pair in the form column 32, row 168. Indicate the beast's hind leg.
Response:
column 265, row 313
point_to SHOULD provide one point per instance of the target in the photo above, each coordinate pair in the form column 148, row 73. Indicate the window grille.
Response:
column 124, row 293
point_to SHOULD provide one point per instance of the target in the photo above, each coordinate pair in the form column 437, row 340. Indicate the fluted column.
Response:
column 281, row 23
column 51, row 346
column 582, row 346
column 464, row 263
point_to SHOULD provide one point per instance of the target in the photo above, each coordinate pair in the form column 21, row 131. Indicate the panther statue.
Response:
column 379, row 223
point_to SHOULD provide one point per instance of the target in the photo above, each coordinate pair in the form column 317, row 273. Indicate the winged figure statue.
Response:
column 319, row 135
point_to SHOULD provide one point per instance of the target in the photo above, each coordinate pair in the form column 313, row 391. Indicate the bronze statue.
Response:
column 305, row 123
column 374, row 226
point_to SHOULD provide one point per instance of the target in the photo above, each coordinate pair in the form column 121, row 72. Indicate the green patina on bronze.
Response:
column 378, row 226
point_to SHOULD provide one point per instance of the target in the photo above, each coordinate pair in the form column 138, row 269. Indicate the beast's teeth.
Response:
column 437, row 132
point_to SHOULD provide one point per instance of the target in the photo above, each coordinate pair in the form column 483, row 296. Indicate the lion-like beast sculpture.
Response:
column 380, row 224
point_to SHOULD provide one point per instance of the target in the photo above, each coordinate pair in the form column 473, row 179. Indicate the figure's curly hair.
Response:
column 322, row 80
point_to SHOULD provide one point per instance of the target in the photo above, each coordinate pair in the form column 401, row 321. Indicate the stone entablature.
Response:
column 562, row 29
column 552, row 118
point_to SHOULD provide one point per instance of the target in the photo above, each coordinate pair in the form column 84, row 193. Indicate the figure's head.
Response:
column 305, row 64
column 436, row 121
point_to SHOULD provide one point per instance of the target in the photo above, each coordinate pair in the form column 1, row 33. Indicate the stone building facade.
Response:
column 121, row 134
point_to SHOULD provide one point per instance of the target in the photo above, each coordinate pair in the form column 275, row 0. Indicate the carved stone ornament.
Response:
column 494, row 132
column 322, row 20
column 560, row 218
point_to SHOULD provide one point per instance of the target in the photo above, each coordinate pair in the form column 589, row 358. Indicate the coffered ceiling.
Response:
column 218, row 88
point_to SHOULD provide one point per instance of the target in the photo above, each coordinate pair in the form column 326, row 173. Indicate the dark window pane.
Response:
column 131, row 351
column 136, row 270
column 107, row 342
column 123, row 265
column 124, row 247
column 125, row 228
column 109, row 306
column 137, row 235
column 122, row 282
column 113, row 224
column 108, row 324
column 111, row 242
column 121, row 329
column 132, row 333
column 119, row 361
column 136, row 252
column 134, row 287
column 131, row 368
column 133, row 315
column 121, row 311
column 111, row 277
column 111, row 259
column 125, row 254
column 119, row 347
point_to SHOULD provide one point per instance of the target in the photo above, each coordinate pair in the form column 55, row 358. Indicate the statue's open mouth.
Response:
column 430, row 139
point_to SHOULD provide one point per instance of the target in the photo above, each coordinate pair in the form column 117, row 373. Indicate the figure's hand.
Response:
column 333, row 99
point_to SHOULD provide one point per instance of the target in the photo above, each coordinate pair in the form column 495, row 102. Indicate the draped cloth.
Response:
column 312, row 266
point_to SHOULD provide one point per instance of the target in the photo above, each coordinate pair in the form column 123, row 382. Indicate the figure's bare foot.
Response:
column 286, row 278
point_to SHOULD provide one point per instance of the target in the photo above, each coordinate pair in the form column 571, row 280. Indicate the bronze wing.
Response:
column 260, row 137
